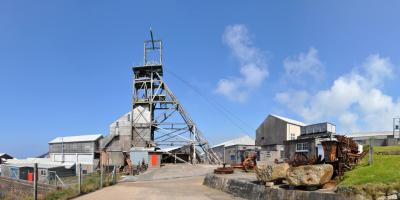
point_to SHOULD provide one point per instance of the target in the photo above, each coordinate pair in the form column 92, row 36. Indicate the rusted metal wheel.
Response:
column 223, row 170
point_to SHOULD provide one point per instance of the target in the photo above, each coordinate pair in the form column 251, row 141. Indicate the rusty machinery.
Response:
column 223, row 170
column 341, row 153
column 248, row 164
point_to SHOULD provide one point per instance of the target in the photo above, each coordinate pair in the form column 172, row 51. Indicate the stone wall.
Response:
column 249, row 190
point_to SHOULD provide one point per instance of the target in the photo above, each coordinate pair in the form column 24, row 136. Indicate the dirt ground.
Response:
column 169, row 182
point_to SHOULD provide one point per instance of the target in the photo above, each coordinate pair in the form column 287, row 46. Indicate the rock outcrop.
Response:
column 267, row 173
column 309, row 175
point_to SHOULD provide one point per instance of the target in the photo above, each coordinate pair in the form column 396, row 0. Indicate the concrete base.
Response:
column 249, row 190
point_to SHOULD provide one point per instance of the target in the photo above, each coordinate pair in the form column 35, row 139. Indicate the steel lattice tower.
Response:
column 158, row 118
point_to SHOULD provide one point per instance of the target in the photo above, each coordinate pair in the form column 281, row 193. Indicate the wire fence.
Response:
column 58, row 188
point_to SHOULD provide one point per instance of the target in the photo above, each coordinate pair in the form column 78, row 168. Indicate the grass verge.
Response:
column 381, row 178
column 90, row 183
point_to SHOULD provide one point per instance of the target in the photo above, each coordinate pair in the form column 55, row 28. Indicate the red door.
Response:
column 154, row 160
column 30, row 176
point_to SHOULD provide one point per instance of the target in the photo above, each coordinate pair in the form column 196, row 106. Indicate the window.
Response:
column 292, row 136
column 43, row 172
column 129, row 117
column 282, row 154
column 302, row 147
column 87, row 147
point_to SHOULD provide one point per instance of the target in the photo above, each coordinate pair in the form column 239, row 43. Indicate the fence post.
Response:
column 101, row 176
column 79, row 177
column 35, row 181
column 114, row 175
column 371, row 149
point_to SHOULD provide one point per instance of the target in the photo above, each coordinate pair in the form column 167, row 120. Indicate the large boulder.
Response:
column 309, row 175
column 267, row 173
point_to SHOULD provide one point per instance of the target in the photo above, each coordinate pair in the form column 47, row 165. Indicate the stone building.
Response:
column 118, row 143
column 272, row 133
column 309, row 141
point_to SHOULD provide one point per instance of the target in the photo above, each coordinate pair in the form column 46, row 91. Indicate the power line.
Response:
column 224, row 111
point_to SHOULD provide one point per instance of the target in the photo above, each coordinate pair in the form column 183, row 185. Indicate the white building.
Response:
column 235, row 151
column 380, row 138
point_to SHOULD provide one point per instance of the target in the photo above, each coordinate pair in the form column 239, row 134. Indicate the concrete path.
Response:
column 175, row 171
column 169, row 182
column 183, row 188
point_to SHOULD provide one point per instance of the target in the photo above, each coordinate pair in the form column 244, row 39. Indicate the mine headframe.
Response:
column 158, row 118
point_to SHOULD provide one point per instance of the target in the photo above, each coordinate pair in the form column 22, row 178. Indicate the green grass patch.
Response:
column 90, row 183
column 378, row 179
column 62, row 194
column 385, row 169
column 387, row 148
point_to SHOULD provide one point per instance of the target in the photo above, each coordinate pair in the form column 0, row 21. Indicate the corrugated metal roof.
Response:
column 244, row 140
column 42, row 163
column 291, row 121
column 370, row 134
column 168, row 149
column 78, row 138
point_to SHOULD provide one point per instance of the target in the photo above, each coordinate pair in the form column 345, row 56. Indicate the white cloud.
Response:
column 302, row 65
column 355, row 99
column 231, row 89
column 253, row 67
column 349, row 120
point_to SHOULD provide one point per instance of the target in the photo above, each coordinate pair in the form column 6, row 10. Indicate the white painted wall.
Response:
column 141, row 115
column 73, row 157
column 295, row 129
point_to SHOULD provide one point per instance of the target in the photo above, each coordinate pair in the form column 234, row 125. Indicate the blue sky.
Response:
column 65, row 66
